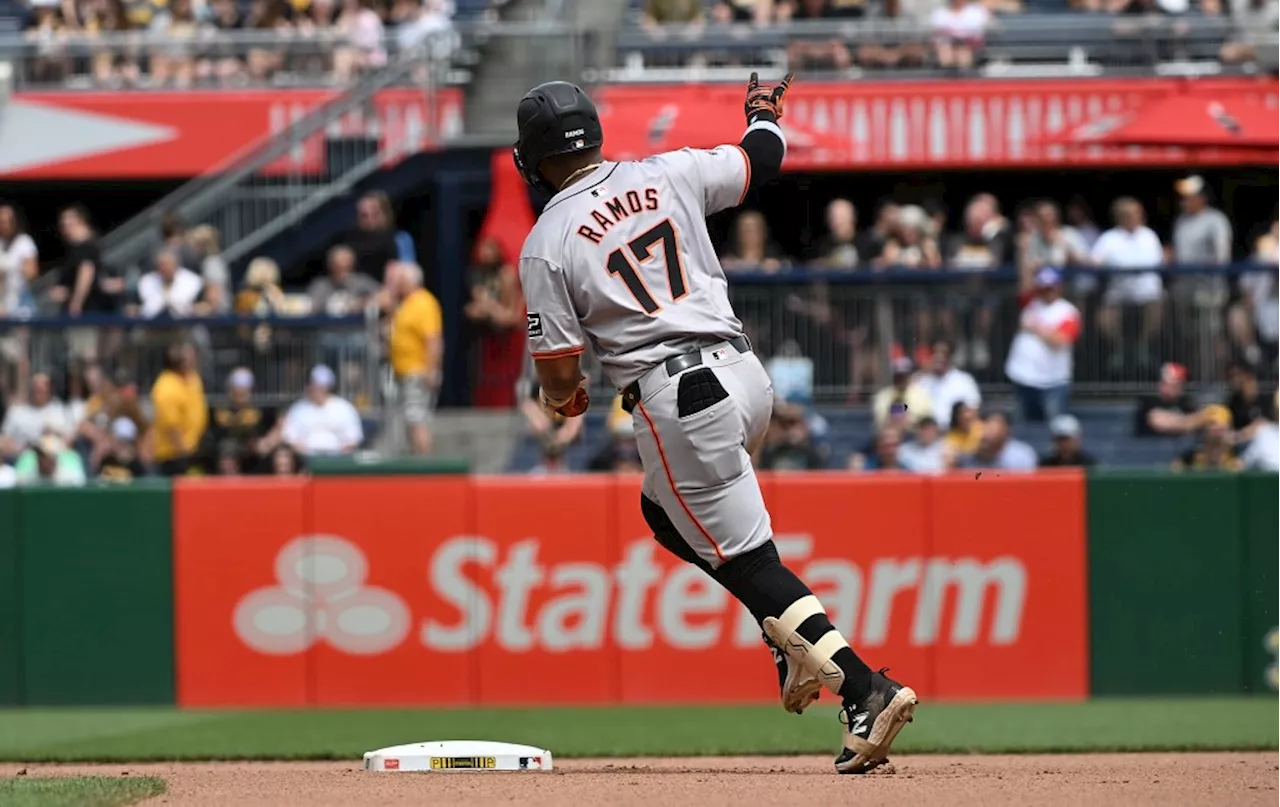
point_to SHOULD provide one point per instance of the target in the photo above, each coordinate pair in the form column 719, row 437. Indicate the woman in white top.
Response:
column 19, row 264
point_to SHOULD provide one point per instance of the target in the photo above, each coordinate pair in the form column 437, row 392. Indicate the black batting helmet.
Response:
column 554, row 118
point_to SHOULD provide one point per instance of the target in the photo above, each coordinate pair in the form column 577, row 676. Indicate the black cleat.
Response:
column 799, row 688
column 871, row 726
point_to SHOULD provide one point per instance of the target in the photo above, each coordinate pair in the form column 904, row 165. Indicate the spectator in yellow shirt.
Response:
column 416, row 348
column 965, row 434
column 181, row 412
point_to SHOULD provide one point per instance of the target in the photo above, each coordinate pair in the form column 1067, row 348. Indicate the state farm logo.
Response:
column 508, row 597
column 321, row 596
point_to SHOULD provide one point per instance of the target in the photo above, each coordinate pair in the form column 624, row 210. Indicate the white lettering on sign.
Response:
column 511, row 598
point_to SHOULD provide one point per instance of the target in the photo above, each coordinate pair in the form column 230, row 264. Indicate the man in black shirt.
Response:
column 788, row 444
column 84, row 284
column 374, row 238
column 1067, row 452
column 121, row 462
column 1170, row 411
column 1251, row 410
column 253, row 430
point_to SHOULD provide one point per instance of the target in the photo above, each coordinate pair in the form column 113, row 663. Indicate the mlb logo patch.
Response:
column 720, row 355
column 534, row 324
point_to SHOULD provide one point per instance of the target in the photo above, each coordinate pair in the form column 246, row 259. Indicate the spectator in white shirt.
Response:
column 1263, row 452
column 998, row 450
column 927, row 453
column 947, row 385
column 169, row 290
column 322, row 423
column 1040, row 358
column 959, row 29
column 19, row 264
column 27, row 422
column 1130, row 245
column 1254, row 319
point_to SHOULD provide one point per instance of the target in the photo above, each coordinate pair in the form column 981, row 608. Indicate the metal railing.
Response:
column 280, row 351
column 1014, row 45
column 850, row 324
column 258, row 193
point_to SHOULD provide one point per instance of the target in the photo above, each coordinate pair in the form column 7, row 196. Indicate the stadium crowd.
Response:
column 70, row 402
column 186, row 43
column 949, row 34
column 87, row 416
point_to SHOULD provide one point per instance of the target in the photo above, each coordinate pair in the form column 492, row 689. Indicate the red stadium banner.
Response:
column 944, row 124
column 456, row 591
column 170, row 134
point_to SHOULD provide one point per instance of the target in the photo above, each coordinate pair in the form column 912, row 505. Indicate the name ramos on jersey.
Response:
column 615, row 210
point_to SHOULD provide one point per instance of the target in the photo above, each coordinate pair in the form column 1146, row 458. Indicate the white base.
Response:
column 449, row 756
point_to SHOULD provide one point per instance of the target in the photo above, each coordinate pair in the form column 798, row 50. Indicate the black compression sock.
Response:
column 857, row 675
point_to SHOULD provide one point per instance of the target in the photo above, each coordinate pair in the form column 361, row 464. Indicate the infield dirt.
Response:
column 1086, row 779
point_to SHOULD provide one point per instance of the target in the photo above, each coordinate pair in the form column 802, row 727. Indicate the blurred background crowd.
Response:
column 193, row 43
column 339, row 281
column 117, row 400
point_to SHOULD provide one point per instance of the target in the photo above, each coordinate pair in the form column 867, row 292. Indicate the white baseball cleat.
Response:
column 871, row 726
column 799, row 687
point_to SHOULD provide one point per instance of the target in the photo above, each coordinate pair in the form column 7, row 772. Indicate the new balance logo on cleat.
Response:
column 873, row 724
column 859, row 724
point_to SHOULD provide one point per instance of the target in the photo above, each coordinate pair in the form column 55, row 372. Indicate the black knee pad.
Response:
column 665, row 533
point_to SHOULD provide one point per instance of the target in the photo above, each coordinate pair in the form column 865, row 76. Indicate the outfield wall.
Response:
column 501, row 590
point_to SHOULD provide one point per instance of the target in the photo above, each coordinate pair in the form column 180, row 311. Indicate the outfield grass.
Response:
column 78, row 791
column 65, row 735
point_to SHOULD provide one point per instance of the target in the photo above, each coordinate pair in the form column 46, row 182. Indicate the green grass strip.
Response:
column 117, row 735
column 77, row 791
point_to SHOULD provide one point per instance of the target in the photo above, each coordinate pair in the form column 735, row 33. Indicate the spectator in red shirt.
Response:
column 1039, row 363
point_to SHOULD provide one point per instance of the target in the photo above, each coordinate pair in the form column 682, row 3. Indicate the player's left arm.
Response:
column 724, row 175
column 556, row 341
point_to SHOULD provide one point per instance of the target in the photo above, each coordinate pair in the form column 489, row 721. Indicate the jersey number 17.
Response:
column 643, row 248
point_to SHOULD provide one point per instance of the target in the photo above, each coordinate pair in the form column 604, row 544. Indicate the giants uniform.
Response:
column 623, row 259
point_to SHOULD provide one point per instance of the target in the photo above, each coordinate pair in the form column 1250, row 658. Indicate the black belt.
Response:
column 678, row 364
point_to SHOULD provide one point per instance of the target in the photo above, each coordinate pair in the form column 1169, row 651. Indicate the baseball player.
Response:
column 621, row 256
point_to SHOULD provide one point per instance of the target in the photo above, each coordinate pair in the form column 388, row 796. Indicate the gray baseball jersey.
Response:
column 623, row 258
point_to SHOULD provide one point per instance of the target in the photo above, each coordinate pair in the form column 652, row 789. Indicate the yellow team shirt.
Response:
column 180, row 404
column 417, row 319
column 963, row 444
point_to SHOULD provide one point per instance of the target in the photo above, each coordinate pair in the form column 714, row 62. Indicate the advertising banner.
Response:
column 944, row 124
column 175, row 134
column 458, row 591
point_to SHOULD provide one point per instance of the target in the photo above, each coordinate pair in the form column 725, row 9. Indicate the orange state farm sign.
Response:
column 493, row 590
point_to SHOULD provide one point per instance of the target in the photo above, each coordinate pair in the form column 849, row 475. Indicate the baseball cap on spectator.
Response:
column 1064, row 426
column 903, row 366
column 322, row 376
column 1172, row 371
column 1217, row 415
column 1190, row 186
column 1048, row 276
column 124, row 429
column 242, row 378
column 50, row 445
